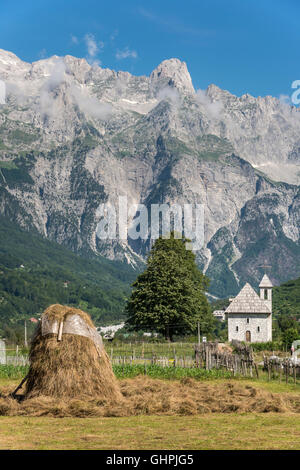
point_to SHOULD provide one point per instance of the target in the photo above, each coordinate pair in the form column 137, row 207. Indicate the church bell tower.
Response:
column 266, row 291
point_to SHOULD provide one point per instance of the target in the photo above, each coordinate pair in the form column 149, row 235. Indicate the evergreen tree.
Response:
column 169, row 296
column 290, row 335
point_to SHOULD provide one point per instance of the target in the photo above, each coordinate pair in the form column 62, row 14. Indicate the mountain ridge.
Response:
column 74, row 136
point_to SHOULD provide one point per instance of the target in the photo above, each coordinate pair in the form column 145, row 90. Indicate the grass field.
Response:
column 133, row 370
column 156, row 371
column 213, row 431
column 203, row 431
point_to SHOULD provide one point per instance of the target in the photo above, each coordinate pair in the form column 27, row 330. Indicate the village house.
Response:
column 219, row 315
column 249, row 315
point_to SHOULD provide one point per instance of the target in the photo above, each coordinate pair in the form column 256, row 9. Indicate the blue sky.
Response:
column 244, row 46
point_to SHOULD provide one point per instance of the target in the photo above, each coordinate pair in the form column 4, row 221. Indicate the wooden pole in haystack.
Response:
column 25, row 334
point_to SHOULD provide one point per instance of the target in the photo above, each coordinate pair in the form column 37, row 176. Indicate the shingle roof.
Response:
column 265, row 282
column 247, row 301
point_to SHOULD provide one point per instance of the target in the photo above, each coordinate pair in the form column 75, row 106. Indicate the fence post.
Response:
column 256, row 369
column 280, row 372
column 197, row 357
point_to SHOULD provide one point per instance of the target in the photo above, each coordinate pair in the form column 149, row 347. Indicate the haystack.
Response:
column 68, row 360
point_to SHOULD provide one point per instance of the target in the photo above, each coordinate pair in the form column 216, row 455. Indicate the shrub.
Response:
column 268, row 346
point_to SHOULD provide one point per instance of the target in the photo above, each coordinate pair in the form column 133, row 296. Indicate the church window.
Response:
column 236, row 328
column 258, row 329
column 266, row 294
column 248, row 320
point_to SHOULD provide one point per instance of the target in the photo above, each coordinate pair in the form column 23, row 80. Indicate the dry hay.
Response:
column 143, row 395
column 70, row 368
column 192, row 397
column 68, row 378
column 224, row 348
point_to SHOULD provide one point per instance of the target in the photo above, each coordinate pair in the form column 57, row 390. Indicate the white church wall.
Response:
column 260, row 326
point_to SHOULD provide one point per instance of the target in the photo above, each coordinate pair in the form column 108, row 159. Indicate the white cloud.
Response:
column 46, row 104
column 288, row 109
column 42, row 54
column 56, row 78
column 19, row 94
column 2, row 92
column 213, row 108
column 168, row 93
column 94, row 62
column 125, row 54
column 90, row 104
column 91, row 44
column 114, row 35
column 74, row 39
column 93, row 48
column 57, row 74
column 285, row 99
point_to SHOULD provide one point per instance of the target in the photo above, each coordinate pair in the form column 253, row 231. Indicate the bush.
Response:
column 268, row 346
column 290, row 335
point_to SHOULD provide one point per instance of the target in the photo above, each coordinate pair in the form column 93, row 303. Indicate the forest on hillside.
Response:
column 35, row 272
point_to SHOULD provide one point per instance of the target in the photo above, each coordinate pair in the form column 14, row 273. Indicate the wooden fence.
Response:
column 208, row 356
column 281, row 369
column 163, row 361
column 17, row 360
column 14, row 357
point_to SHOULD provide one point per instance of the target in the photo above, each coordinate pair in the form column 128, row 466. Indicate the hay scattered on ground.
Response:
column 143, row 395
column 70, row 368
column 70, row 378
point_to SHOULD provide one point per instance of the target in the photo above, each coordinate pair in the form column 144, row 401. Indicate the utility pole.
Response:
column 25, row 334
column 198, row 333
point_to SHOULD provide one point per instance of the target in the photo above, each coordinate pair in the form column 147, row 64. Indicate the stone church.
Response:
column 249, row 315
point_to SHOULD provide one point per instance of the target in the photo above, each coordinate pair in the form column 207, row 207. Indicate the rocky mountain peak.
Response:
column 8, row 58
column 216, row 93
column 172, row 73
column 10, row 64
